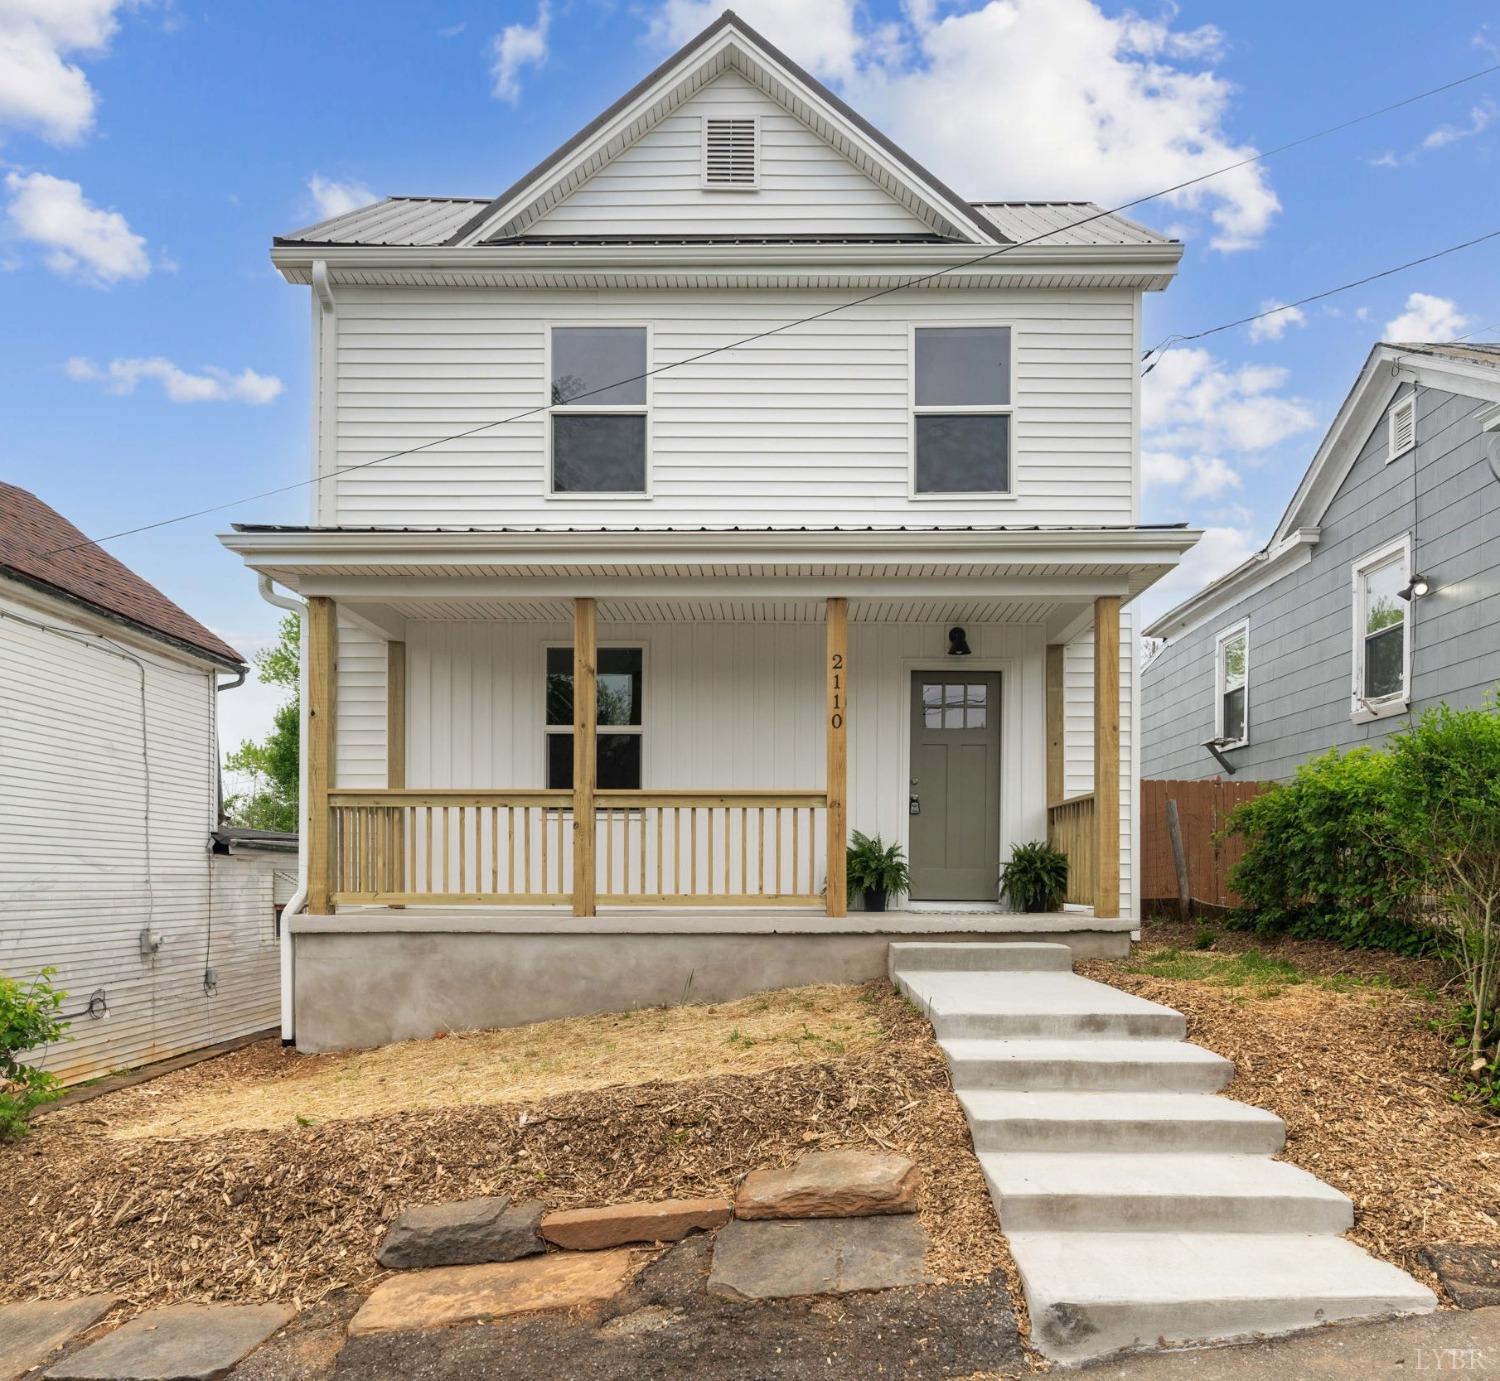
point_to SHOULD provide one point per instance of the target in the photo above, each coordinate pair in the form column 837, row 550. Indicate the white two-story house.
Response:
column 820, row 480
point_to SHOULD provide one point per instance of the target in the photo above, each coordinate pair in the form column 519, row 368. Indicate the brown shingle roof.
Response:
column 29, row 529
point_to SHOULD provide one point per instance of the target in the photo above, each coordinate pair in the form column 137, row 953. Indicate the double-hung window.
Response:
column 1232, row 686
column 1382, row 642
column 620, row 729
column 597, row 409
column 961, row 410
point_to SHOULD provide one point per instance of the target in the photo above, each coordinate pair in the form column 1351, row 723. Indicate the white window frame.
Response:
column 590, row 409
column 638, row 729
column 1362, row 711
column 991, row 409
column 1407, row 405
column 1224, row 637
column 729, row 113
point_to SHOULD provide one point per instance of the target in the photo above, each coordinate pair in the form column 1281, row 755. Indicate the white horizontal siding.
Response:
column 655, row 187
column 82, row 778
column 809, row 425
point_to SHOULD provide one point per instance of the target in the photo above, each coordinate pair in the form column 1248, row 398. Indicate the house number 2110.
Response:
column 836, row 690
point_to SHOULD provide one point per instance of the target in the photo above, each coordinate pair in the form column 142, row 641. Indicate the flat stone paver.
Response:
column 178, row 1342
column 1470, row 1274
column 665, row 1220
column 830, row 1184
column 32, row 1330
column 781, row 1259
column 467, row 1233
column 462, row 1294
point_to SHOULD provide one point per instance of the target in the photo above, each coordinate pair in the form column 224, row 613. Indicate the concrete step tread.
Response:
column 983, row 994
column 1087, row 1105
column 1139, row 1175
column 978, row 956
column 972, row 1049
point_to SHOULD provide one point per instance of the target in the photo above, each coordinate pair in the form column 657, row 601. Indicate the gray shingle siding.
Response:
column 1301, row 627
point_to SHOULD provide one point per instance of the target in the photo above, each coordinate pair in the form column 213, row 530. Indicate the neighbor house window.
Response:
column 961, row 414
column 1382, row 645
column 619, row 734
column 1232, row 686
column 1402, row 428
column 598, row 409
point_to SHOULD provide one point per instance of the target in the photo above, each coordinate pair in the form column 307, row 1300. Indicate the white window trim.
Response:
column 1362, row 711
column 1225, row 636
column 638, row 729
column 586, row 408
column 1407, row 404
column 729, row 113
column 916, row 495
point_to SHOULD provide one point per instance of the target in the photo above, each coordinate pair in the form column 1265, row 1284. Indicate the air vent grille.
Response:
column 729, row 154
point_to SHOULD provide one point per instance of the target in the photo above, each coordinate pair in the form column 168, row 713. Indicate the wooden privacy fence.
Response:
column 394, row 847
column 1070, row 830
column 1203, row 810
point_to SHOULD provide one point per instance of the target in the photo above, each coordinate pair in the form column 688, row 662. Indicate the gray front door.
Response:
column 955, row 785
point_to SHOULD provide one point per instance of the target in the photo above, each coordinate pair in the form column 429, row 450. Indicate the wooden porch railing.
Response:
column 399, row 847
column 1070, row 829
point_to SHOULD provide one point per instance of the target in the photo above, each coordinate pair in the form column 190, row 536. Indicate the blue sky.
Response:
column 152, row 362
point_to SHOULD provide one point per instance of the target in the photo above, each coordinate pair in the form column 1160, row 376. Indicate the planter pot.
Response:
column 874, row 901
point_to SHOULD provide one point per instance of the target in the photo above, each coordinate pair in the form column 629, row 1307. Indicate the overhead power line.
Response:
column 901, row 286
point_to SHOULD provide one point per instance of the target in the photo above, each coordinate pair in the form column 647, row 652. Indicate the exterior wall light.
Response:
column 958, row 643
column 1416, row 587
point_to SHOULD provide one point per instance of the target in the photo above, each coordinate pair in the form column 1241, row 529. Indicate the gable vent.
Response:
column 729, row 152
column 1403, row 423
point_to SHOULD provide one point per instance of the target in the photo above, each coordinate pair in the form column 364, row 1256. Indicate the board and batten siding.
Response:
column 813, row 424
column 1301, row 627
column 82, row 779
column 655, row 187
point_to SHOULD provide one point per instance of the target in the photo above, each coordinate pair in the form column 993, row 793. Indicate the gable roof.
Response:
column 1468, row 368
column 31, row 535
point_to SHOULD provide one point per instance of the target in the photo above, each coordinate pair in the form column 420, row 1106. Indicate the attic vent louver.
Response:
column 1403, row 427
column 729, row 151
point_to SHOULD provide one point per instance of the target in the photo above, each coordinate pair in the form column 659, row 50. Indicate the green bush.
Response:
column 28, row 1019
column 876, row 869
column 1036, row 878
column 1323, row 861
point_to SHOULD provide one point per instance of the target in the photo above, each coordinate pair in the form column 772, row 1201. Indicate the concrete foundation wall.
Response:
column 363, row 982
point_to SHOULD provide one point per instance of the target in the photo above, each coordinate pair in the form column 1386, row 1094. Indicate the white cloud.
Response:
column 40, row 89
column 211, row 386
column 1426, row 318
column 1481, row 117
column 331, row 198
column 1162, row 469
column 1220, row 551
column 518, row 46
column 1275, row 326
column 78, row 240
column 1203, row 477
column 1193, row 402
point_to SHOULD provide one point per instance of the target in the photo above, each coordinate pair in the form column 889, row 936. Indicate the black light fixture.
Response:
column 1416, row 587
column 958, row 643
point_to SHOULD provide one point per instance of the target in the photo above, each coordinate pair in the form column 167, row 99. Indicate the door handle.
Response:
column 913, row 805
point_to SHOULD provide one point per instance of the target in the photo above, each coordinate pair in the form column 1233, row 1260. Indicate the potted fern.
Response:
column 1036, row 878
column 876, row 869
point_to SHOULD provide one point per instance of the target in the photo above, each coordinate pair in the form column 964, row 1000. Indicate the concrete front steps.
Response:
column 1142, row 1211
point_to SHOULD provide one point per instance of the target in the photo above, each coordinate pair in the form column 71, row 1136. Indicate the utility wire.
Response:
column 879, row 293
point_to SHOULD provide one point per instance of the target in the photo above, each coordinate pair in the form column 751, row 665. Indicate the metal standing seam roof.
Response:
column 1057, row 221
column 408, row 221
column 682, row 531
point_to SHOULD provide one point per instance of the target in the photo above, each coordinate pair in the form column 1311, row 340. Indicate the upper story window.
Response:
column 1382, row 645
column 961, row 410
column 1402, row 427
column 619, row 710
column 731, row 152
column 597, row 413
column 1232, row 686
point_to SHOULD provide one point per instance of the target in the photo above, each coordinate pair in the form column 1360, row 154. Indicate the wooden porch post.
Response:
column 1055, row 778
column 321, row 632
column 395, row 760
column 585, row 753
column 838, row 754
column 1107, row 755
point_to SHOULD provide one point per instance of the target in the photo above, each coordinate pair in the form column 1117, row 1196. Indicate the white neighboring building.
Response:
column 164, row 939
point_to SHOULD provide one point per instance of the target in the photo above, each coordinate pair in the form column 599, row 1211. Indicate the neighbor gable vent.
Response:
column 1403, row 423
column 729, row 151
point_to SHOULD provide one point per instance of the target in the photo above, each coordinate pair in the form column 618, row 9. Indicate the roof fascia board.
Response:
column 726, row 42
column 1263, row 569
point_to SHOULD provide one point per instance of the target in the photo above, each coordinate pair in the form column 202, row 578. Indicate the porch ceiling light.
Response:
column 958, row 643
column 1416, row 587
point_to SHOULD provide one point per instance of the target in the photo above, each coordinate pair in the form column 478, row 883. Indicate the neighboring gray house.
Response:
column 1377, row 596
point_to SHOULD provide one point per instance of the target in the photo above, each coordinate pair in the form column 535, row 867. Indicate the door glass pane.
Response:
column 1234, row 715
column 974, row 708
column 963, row 454
column 963, row 366
column 598, row 453
column 953, row 707
column 1384, row 655
column 586, row 358
column 932, row 700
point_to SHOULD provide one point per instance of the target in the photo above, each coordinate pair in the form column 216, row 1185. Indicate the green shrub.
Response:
column 1036, row 878
column 876, row 869
column 1322, row 859
column 28, row 1019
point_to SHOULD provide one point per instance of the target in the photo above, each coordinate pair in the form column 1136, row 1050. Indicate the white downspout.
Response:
column 299, row 897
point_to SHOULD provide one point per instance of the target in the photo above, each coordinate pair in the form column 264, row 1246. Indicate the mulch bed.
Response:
column 295, row 1214
column 1361, row 1080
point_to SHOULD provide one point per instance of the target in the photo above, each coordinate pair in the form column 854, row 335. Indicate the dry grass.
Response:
column 516, row 1065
